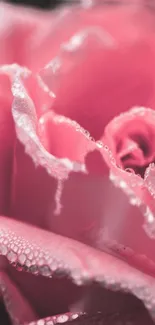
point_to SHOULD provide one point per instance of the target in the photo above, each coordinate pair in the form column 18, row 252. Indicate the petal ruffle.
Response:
column 98, row 68
column 56, row 204
column 81, row 262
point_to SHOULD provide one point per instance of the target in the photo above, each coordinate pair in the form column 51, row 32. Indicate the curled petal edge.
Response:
column 88, row 265
column 140, row 191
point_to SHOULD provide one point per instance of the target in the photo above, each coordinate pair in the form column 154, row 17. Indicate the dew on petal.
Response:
column 99, row 144
column 12, row 257
column 45, row 270
column 62, row 319
column 41, row 322
column 58, row 195
column 22, row 258
column 3, row 250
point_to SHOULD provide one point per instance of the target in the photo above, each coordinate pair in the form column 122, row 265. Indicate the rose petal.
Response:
column 13, row 299
column 95, row 57
column 86, row 211
column 35, row 202
column 17, row 27
column 89, row 264
column 63, row 137
column 53, row 205
column 135, row 127
column 7, row 136
column 38, row 203
column 25, row 117
column 136, row 187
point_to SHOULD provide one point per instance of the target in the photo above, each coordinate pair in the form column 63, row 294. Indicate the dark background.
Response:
column 39, row 3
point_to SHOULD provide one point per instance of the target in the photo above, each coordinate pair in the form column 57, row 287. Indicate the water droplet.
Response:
column 45, row 270
column 87, row 134
column 27, row 251
column 41, row 262
column 106, row 148
column 19, row 267
column 123, row 185
column 15, row 248
column 28, row 263
column 3, row 250
column 62, row 319
column 33, row 269
column 75, row 316
column 113, row 161
column 99, row 144
column 60, row 273
column 50, row 322
column 54, row 266
column 22, row 258
column 30, row 256
column 58, row 197
column 42, row 120
column 41, row 322
column 36, row 253
column 12, row 257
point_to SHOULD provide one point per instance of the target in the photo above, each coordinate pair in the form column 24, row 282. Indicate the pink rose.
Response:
column 76, row 165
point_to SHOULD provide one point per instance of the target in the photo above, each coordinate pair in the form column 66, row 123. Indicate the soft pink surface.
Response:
column 53, row 173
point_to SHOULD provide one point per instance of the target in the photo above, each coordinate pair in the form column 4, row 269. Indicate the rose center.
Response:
column 135, row 152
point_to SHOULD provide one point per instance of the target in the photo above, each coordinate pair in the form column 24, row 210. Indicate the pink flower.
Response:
column 77, row 165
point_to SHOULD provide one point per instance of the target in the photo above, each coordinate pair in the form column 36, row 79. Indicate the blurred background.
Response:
column 39, row 3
